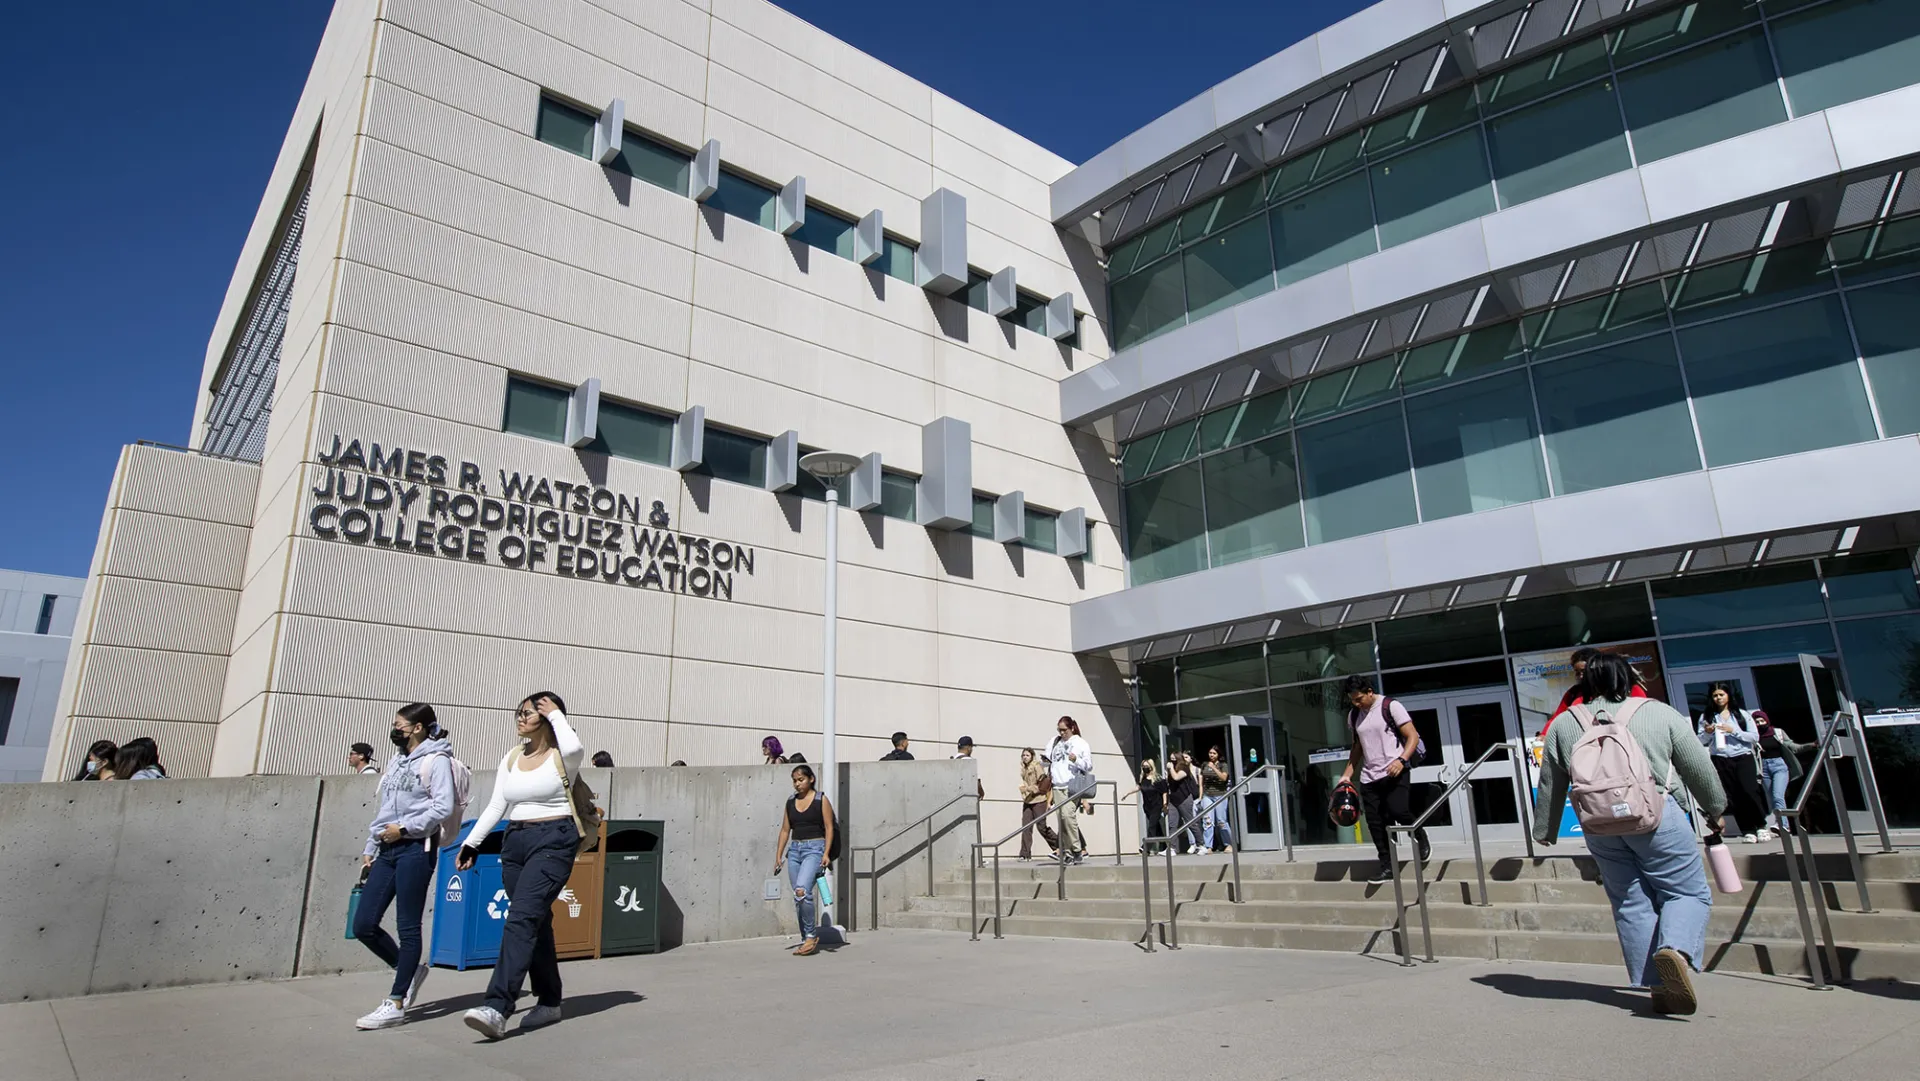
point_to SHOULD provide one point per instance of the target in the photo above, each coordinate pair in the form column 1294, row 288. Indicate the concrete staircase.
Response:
column 1541, row 909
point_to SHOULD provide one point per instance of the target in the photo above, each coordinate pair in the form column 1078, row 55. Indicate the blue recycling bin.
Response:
column 470, row 907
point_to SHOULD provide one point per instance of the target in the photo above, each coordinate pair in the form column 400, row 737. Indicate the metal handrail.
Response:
column 1804, row 861
column 1237, row 895
column 975, row 858
column 873, row 850
column 1515, row 754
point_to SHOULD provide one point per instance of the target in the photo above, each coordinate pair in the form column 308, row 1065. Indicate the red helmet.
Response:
column 1344, row 808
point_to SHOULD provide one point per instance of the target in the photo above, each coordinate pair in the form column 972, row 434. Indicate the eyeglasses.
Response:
column 525, row 712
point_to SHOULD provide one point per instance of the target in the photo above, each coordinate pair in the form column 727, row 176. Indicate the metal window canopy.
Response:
column 944, row 495
column 940, row 263
column 870, row 239
column 1010, row 518
column 790, row 210
column 863, row 487
column 1070, row 533
column 689, row 439
column 583, row 414
column 608, row 132
column 1384, row 59
column 704, row 177
column 1732, row 235
column 783, row 461
column 1769, row 550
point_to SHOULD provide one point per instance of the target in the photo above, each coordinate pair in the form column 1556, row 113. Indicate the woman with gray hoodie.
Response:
column 416, row 795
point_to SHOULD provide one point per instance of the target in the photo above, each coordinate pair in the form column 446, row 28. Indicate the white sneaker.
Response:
column 1747, row 838
column 539, row 1017
column 487, row 1022
column 1763, row 835
column 413, row 990
column 385, row 1015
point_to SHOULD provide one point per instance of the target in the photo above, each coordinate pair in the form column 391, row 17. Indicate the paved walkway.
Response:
column 910, row 1004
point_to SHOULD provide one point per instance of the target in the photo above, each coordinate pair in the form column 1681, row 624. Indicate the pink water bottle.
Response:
column 1725, row 878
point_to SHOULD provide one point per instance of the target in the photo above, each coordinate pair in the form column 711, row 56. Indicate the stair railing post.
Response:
column 1800, row 905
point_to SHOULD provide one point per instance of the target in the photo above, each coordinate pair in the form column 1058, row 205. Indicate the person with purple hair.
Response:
column 776, row 755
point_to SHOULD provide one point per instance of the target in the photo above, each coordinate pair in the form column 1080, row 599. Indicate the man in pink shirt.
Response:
column 1385, row 746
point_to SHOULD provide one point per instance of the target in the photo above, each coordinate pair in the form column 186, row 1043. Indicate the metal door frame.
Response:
column 1267, row 785
column 1452, row 757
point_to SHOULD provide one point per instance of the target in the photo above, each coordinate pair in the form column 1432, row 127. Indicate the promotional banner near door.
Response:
column 1541, row 680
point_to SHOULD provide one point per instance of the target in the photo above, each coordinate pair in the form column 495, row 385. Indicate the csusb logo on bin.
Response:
column 453, row 888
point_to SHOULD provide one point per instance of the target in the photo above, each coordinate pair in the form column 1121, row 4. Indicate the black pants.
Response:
column 1389, row 800
column 535, row 862
column 1740, row 779
column 399, row 877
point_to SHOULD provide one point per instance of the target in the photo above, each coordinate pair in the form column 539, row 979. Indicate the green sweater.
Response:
column 1665, row 737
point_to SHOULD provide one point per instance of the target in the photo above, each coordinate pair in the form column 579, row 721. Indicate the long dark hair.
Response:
column 804, row 770
column 1609, row 677
column 538, row 695
column 102, row 749
column 1734, row 705
column 421, row 714
column 1070, row 723
column 135, row 755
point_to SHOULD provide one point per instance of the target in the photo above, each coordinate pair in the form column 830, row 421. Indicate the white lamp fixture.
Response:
column 829, row 466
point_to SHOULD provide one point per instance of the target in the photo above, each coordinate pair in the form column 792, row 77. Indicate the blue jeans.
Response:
column 1213, row 815
column 399, row 877
column 803, row 866
column 1657, row 883
column 536, row 859
column 1773, row 777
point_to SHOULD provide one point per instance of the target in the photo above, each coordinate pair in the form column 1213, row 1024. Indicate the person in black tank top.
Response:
column 805, row 848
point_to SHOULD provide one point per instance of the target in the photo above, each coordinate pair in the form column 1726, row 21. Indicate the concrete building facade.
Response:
column 36, row 629
column 1450, row 339
column 541, row 305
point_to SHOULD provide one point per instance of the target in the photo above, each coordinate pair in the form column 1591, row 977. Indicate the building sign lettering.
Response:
column 385, row 496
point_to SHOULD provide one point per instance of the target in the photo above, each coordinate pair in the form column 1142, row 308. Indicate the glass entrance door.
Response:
column 1458, row 727
column 1691, row 689
column 1261, row 818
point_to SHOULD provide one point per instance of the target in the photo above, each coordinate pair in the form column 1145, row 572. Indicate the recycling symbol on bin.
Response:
column 497, row 908
column 629, row 900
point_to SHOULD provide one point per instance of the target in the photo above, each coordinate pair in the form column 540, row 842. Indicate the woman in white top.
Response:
column 1069, row 761
column 536, row 860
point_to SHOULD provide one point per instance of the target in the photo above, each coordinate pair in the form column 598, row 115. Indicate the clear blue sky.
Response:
column 138, row 138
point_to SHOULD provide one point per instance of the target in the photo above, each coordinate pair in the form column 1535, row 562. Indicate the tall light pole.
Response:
column 829, row 466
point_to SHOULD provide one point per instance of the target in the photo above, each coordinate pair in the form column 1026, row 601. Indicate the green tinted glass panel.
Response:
column 1308, row 718
column 1316, row 166
column 1322, row 229
column 1778, row 643
column 1438, row 638
column 1431, row 188
column 1222, row 671
column 1767, row 278
column 1558, row 144
column 1871, row 583
column 1849, row 50
column 1156, row 682
column 1878, row 252
column 744, row 199
column 1883, row 672
column 1321, row 656
column 1776, row 382
column 1468, row 355
column 1679, row 26
column 1148, row 303
column 982, row 516
column 1474, row 447
column 1042, row 530
column 1548, row 75
column 1372, row 381
column 899, row 496
column 1356, row 476
column 1253, row 501
column 536, row 409
column 1244, row 421
column 1746, row 598
column 1175, row 446
column 1229, row 267
column 1222, row 211
column 974, row 293
column 1120, row 261
column 896, row 260
column 1166, row 533
column 566, row 127
column 1615, row 415
column 827, row 231
column 738, row 458
column 1435, row 118
column 630, row 432
column 1884, row 319
column 1716, row 91
column 661, row 166
column 1610, row 317
column 1029, row 311
column 1617, row 614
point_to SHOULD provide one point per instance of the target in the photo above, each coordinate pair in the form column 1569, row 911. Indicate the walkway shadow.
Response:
column 576, row 1005
column 1524, row 986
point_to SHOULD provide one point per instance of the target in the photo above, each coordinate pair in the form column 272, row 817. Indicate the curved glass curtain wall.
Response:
column 1788, row 350
column 1688, row 76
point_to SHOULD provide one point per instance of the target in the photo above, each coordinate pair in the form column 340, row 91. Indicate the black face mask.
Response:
column 399, row 738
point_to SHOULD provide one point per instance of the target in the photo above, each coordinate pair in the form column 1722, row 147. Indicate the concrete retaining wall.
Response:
column 115, row 887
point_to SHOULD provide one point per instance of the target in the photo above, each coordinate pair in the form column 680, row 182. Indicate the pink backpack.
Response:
column 1609, row 782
